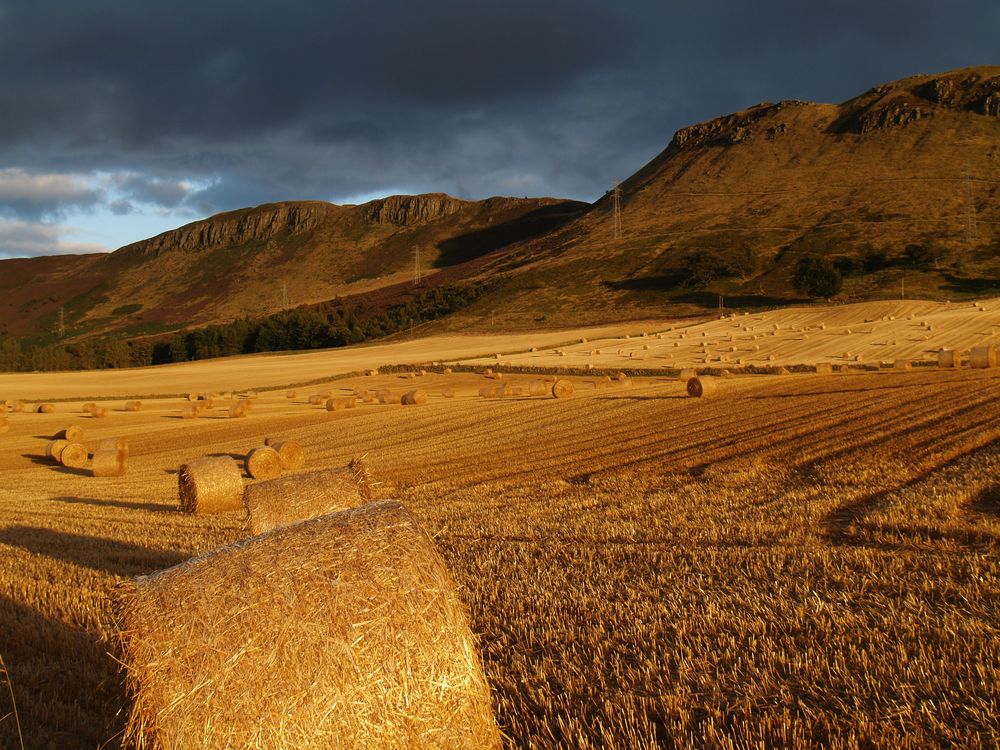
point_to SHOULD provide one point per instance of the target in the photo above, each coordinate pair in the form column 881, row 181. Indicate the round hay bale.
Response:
column 687, row 373
column 340, row 403
column 287, row 500
column 74, row 455
column 316, row 399
column 488, row 373
column 844, row 368
column 73, row 433
column 700, row 387
column 386, row 396
column 562, row 389
column 192, row 397
column 375, row 653
column 725, row 374
column 371, row 373
column 446, row 371
column 45, row 408
column 98, row 412
column 448, row 393
column 87, row 407
column 949, row 358
column 291, row 453
column 414, row 398
column 369, row 397
column 902, row 364
column 133, row 406
column 488, row 391
column 983, row 357
column 114, row 444
column 291, row 394
column 54, row 449
column 239, row 409
column 109, row 463
column 537, row 388
column 263, row 463
column 190, row 412
column 782, row 371
column 212, row 484
column 824, row 368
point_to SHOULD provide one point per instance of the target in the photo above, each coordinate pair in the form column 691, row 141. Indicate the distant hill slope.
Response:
column 250, row 261
column 915, row 162
column 897, row 186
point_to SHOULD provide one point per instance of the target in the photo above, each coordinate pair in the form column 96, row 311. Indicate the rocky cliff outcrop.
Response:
column 409, row 210
column 737, row 128
column 235, row 228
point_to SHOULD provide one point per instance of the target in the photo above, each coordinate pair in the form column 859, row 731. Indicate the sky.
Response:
column 120, row 119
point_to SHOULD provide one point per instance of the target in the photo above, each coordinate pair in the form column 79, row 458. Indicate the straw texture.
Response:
column 340, row 632
column 982, row 357
column 133, row 406
column 902, row 364
column 699, row 387
column 114, row 444
column 17, row 407
column 824, row 368
column 109, row 463
column 949, row 358
column 55, row 448
column 562, row 389
column 45, row 408
column 291, row 453
column 263, row 463
column 414, row 398
column 73, row 433
column 74, row 455
column 280, row 502
column 239, row 409
column 210, row 485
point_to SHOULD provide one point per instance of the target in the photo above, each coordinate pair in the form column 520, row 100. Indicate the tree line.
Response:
column 332, row 324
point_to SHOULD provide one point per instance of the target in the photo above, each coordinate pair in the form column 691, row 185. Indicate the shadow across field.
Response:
column 988, row 501
column 111, row 503
column 49, row 464
column 50, row 698
column 106, row 555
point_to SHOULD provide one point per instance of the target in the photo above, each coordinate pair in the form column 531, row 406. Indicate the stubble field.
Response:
column 802, row 561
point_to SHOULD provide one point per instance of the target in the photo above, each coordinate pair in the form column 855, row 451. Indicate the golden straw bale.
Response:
column 488, row 391
column 316, row 399
column 109, row 463
column 414, row 397
column 340, row 403
column 239, row 409
column 949, row 358
column 448, row 393
column 54, row 448
column 291, row 453
column 210, row 485
column 189, row 412
column 342, row 631
column 371, row 373
column 74, row 455
column 98, row 412
column 983, row 357
column 446, row 371
column 291, row 394
column 114, row 444
column 687, row 373
column 701, row 386
column 537, row 388
column 192, row 397
column 45, row 408
column 369, row 397
column 824, row 368
column 386, row 396
column 562, row 389
column 206, row 404
column 263, row 463
column 515, row 390
column 133, row 405
column 902, row 364
column 73, row 433
column 782, row 371
column 279, row 502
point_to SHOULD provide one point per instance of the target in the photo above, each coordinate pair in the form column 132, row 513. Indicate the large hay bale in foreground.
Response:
column 290, row 499
column 73, row 433
column 74, row 456
column 263, row 463
column 949, row 358
column 344, row 631
column 108, row 462
column 983, row 357
column 133, row 406
column 291, row 453
column 414, row 398
column 562, row 389
column 210, row 485
column 700, row 387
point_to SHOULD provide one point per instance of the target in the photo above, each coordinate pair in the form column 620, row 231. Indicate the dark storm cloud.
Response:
column 254, row 101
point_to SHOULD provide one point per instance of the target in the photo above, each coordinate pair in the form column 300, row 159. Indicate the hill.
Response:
column 255, row 261
column 732, row 205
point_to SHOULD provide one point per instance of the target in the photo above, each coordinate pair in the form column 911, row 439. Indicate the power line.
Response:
column 970, row 211
column 616, row 212
column 416, row 265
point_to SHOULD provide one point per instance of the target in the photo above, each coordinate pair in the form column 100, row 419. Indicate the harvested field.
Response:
column 806, row 561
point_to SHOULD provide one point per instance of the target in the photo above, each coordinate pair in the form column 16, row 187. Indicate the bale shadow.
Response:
column 106, row 555
column 67, row 687
column 988, row 501
column 111, row 503
column 54, row 466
